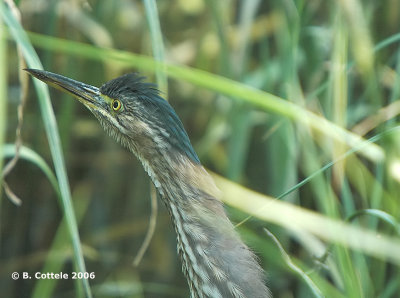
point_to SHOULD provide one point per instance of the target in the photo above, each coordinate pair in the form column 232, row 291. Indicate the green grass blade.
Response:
column 31, row 156
column 3, row 90
column 59, row 251
column 383, row 216
column 313, row 287
column 156, row 44
column 54, row 141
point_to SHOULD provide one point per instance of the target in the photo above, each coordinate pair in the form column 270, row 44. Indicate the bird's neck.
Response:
column 215, row 261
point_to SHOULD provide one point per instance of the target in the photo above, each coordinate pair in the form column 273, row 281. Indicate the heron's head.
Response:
column 130, row 110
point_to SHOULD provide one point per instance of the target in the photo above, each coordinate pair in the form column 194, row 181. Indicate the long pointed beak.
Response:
column 88, row 95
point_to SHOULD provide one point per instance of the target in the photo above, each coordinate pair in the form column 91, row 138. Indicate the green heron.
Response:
column 215, row 261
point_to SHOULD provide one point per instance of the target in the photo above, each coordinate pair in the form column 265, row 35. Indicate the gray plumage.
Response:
column 215, row 261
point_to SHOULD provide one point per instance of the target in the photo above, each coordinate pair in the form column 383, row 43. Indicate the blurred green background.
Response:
column 257, row 70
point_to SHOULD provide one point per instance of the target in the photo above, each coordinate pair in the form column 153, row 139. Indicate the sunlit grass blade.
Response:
column 53, row 137
column 263, row 100
column 297, row 218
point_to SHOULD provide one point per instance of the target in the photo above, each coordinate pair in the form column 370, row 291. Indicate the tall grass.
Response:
column 3, row 88
column 295, row 100
column 54, row 142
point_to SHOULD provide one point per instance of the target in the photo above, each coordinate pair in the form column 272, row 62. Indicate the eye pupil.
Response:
column 116, row 105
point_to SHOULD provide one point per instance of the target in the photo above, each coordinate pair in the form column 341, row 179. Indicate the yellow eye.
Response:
column 116, row 105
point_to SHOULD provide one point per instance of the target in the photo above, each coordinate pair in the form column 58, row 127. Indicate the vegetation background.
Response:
column 272, row 94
